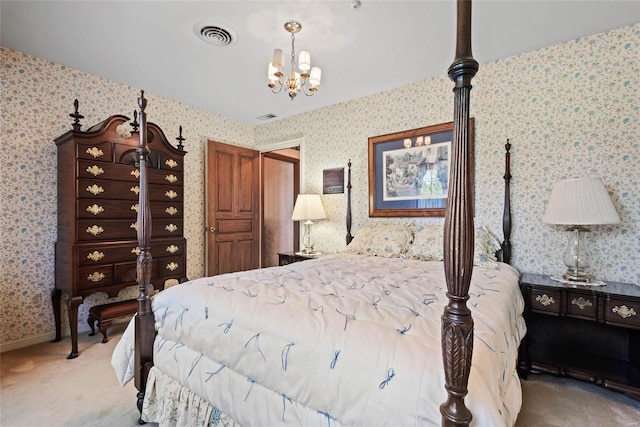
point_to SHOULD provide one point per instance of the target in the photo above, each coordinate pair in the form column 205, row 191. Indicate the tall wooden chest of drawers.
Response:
column 97, row 245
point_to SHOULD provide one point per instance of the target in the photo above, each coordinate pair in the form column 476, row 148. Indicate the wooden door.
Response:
column 233, row 208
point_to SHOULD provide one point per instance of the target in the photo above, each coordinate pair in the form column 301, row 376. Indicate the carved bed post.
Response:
column 457, row 324
column 349, row 236
column 506, row 215
column 144, row 319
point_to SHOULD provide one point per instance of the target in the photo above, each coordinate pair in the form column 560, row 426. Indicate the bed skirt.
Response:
column 168, row 403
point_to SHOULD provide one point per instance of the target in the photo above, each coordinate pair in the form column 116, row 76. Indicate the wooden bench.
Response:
column 104, row 314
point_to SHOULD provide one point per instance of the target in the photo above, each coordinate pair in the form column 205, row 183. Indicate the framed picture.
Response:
column 409, row 171
column 333, row 181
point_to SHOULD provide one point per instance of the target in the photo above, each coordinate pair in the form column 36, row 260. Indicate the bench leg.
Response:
column 91, row 321
column 103, row 329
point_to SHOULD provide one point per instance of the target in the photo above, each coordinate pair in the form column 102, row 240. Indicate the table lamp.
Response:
column 307, row 208
column 577, row 203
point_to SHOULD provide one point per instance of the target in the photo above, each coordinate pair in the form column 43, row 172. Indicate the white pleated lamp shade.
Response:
column 308, row 207
column 580, row 201
column 272, row 72
column 304, row 61
column 316, row 75
column 278, row 58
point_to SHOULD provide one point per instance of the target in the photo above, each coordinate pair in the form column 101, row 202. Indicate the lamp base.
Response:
column 576, row 277
column 577, row 257
column 309, row 254
column 306, row 238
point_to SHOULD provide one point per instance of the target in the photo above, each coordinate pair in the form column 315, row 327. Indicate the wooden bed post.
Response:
column 457, row 324
column 506, row 215
column 144, row 319
column 349, row 236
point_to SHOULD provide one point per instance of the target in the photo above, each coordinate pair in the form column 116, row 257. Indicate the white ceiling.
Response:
column 381, row 45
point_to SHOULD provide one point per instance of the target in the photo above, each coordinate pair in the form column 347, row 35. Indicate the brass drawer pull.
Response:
column 136, row 173
column 172, row 249
column 581, row 303
column 95, row 189
column 95, row 209
column 95, row 170
column 171, row 210
column 171, row 194
column 136, row 250
column 171, row 228
column 95, row 256
column 95, row 230
column 171, row 178
column 171, row 163
column 624, row 311
column 134, row 207
column 95, row 276
column 134, row 225
column 135, row 189
column 172, row 266
column 545, row 300
column 95, row 152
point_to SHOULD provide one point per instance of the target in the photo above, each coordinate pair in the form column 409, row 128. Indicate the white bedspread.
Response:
column 340, row 340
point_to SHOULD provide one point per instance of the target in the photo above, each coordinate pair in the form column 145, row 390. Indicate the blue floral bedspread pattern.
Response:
column 340, row 340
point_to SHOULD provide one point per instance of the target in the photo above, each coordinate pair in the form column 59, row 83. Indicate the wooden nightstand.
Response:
column 589, row 333
column 285, row 258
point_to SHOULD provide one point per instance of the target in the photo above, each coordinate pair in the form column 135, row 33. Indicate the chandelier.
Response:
column 307, row 80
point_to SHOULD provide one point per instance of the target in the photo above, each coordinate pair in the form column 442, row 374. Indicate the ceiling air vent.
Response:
column 214, row 34
column 266, row 117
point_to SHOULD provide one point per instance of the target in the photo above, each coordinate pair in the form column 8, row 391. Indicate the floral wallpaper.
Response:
column 37, row 98
column 569, row 110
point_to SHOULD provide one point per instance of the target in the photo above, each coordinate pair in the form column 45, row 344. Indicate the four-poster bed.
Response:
column 270, row 327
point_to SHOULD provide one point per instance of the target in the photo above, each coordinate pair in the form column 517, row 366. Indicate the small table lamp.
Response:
column 308, row 207
column 579, row 202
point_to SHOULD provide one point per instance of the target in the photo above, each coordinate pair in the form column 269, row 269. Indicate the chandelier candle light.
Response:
column 579, row 202
column 296, row 82
column 308, row 207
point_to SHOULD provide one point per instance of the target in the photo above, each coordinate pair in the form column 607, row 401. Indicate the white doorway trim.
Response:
column 296, row 142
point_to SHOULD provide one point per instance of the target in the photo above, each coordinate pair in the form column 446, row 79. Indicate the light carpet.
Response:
column 40, row 387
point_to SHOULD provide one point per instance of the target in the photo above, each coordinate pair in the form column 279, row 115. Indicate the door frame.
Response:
column 267, row 148
column 296, row 190
column 290, row 143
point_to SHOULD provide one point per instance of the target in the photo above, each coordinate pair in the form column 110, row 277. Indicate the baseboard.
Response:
column 37, row 339
column 25, row 342
column 50, row 336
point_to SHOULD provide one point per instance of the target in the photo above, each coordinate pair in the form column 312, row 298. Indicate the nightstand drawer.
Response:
column 581, row 304
column 548, row 301
column 623, row 312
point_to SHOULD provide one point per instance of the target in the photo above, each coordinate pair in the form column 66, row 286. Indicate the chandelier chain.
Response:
column 293, row 51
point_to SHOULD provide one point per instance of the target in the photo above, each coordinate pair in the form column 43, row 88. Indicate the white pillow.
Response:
column 428, row 245
column 383, row 240
column 486, row 245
